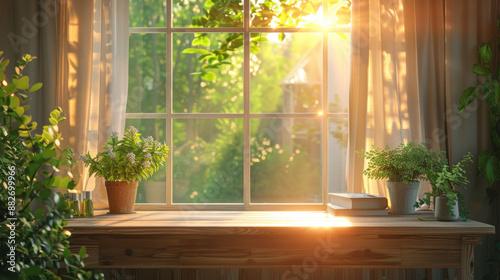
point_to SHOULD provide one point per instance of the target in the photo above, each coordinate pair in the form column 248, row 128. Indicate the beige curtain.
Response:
column 82, row 50
column 384, row 105
column 411, row 60
column 28, row 27
column 92, row 78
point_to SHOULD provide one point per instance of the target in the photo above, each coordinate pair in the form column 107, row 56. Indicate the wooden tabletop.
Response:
column 257, row 222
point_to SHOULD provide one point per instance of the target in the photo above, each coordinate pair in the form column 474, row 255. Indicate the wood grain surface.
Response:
column 255, row 222
column 293, row 242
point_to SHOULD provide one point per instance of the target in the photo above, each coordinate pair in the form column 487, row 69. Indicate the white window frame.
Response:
column 169, row 116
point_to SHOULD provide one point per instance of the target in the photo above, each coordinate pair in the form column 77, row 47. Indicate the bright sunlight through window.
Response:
column 251, row 96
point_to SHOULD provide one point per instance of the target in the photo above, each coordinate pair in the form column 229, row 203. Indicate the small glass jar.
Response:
column 74, row 204
column 87, row 204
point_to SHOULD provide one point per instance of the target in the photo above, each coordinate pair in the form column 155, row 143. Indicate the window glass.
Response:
column 337, row 154
column 286, row 13
column 147, row 13
column 254, row 106
column 208, row 161
column 287, row 71
column 207, row 13
column 204, row 81
column 147, row 73
column 286, row 161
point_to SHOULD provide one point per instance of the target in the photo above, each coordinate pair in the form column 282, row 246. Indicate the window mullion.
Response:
column 168, row 96
column 246, row 103
column 324, row 165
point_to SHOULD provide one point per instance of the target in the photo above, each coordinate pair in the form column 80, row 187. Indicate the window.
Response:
column 250, row 96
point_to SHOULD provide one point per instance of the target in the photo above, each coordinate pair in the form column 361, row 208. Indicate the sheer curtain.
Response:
column 411, row 60
column 384, row 105
column 82, row 50
column 92, row 78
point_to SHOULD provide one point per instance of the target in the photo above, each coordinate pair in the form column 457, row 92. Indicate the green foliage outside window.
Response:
column 207, row 77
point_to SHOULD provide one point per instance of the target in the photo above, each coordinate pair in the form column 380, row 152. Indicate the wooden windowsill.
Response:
column 209, row 239
column 154, row 222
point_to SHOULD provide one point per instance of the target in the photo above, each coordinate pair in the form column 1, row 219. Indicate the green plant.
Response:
column 489, row 75
column 406, row 163
column 34, row 241
column 444, row 182
column 129, row 159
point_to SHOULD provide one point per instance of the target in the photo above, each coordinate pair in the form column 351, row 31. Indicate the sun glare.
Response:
column 311, row 219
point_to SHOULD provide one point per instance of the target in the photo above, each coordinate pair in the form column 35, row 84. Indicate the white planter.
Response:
column 442, row 212
column 402, row 196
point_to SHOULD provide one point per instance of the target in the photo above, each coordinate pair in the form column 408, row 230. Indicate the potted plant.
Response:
column 123, row 163
column 403, row 168
column 35, row 243
column 447, row 199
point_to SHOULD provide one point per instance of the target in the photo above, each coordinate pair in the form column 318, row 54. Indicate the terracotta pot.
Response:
column 121, row 196
column 403, row 196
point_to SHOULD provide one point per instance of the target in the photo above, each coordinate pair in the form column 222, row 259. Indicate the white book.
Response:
column 358, row 200
column 341, row 211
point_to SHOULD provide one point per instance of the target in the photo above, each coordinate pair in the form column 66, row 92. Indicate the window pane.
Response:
column 337, row 154
column 286, row 75
column 339, row 66
column 207, row 13
column 286, row 161
column 339, row 13
column 204, row 82
column 208, row 161
column 147, row 73
column 147, row 13
column 286, row 13
column 152, row 190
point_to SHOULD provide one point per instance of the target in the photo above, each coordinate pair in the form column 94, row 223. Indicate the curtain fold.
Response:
column 411, row 60
column 384, row 103
column 93, row 70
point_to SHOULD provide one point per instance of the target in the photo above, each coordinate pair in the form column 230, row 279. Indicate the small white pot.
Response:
column 402, row 196
column 442, row 212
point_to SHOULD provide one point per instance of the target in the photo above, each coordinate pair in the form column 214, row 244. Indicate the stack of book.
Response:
column 357, row 204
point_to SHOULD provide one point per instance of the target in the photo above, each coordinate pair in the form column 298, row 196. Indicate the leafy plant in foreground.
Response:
column 35, row 240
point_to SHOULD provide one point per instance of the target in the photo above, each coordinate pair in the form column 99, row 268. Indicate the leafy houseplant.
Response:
column 402, row 167
column 444, row 182
column 488, row 71
column 123, row 163
column 34, row 243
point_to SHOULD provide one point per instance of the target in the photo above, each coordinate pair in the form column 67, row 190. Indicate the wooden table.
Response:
column 305, row 240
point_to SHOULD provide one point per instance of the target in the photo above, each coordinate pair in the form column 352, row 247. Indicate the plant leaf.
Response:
column 83, row 252
column 281, row 36
column 202, row 40
column 491, row 89
column 208, row 76
column 481, row 70
column 195, row 50
column 23, row 82
column 342, row 35
column 481, row 161
column 36, row 87
column 468, row 96
column 492, row 169
column 484, row 52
